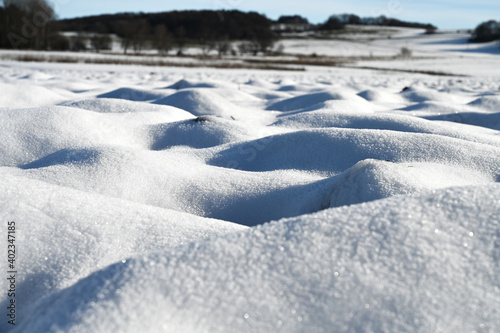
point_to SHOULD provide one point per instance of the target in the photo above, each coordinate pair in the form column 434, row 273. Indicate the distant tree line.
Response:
column 486, row 32
column 336, row 22
column 212, row 30
column 177, row 29
column 292, row 19
column 31, row 24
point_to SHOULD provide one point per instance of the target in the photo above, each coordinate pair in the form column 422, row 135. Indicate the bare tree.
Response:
column 134, row 34
column 180, row 40
column 163, row 41
column 100, row 42
column 78, row 42
column 207, row 46
column 125, row 31
column 101, row 39
column 264, row 39
column 265, row 45
column 208, row 43
column 249, row 47
column 223, row 46
column 140, row 36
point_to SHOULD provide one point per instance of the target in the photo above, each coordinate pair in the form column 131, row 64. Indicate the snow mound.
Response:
column 326, row 118
column 111, row 105
column 30, row 134
column 487, row 120
column 134, row 94
column 487, row 103
column 152, row 178
column 64, row 157
column 370, row 180
column 200, row 102
column 340, row 105
column 91, row 232
column 380, row 96
column 262, row 84
column 23, row 95
column 415, row 263
column 294, row 86
column 423, row 94
column 186, row 84
column 394, row 122
column 331, row 151
column 308, row 100
column 237, row 96
column 37, row 76
column 435, row 108
column 201, row 132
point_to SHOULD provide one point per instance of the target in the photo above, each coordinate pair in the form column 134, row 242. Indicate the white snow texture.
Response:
column 199, row 200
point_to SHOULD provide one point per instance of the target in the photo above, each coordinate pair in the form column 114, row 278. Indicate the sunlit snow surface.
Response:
column 133, row 189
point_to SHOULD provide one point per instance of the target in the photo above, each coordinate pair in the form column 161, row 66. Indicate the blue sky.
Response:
column 446, row 14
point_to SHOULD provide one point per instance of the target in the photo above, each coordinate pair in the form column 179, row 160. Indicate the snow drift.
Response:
column 224, row 201
column 423, row 263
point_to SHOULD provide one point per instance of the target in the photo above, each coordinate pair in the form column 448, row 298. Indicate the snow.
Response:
column 411, row 263
column 157, row 199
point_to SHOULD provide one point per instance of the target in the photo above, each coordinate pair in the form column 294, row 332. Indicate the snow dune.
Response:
column 423, row 263
column 373, row 202
column 133, row 94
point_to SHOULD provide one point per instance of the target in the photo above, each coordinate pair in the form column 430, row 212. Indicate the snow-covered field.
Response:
column 199, row 200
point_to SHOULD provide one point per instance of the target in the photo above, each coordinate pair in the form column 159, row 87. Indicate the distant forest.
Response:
column 211, row 29
column 177, row 29
column 194, row 25
column 233, row 25
column 32, row 24
column 339, row 22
